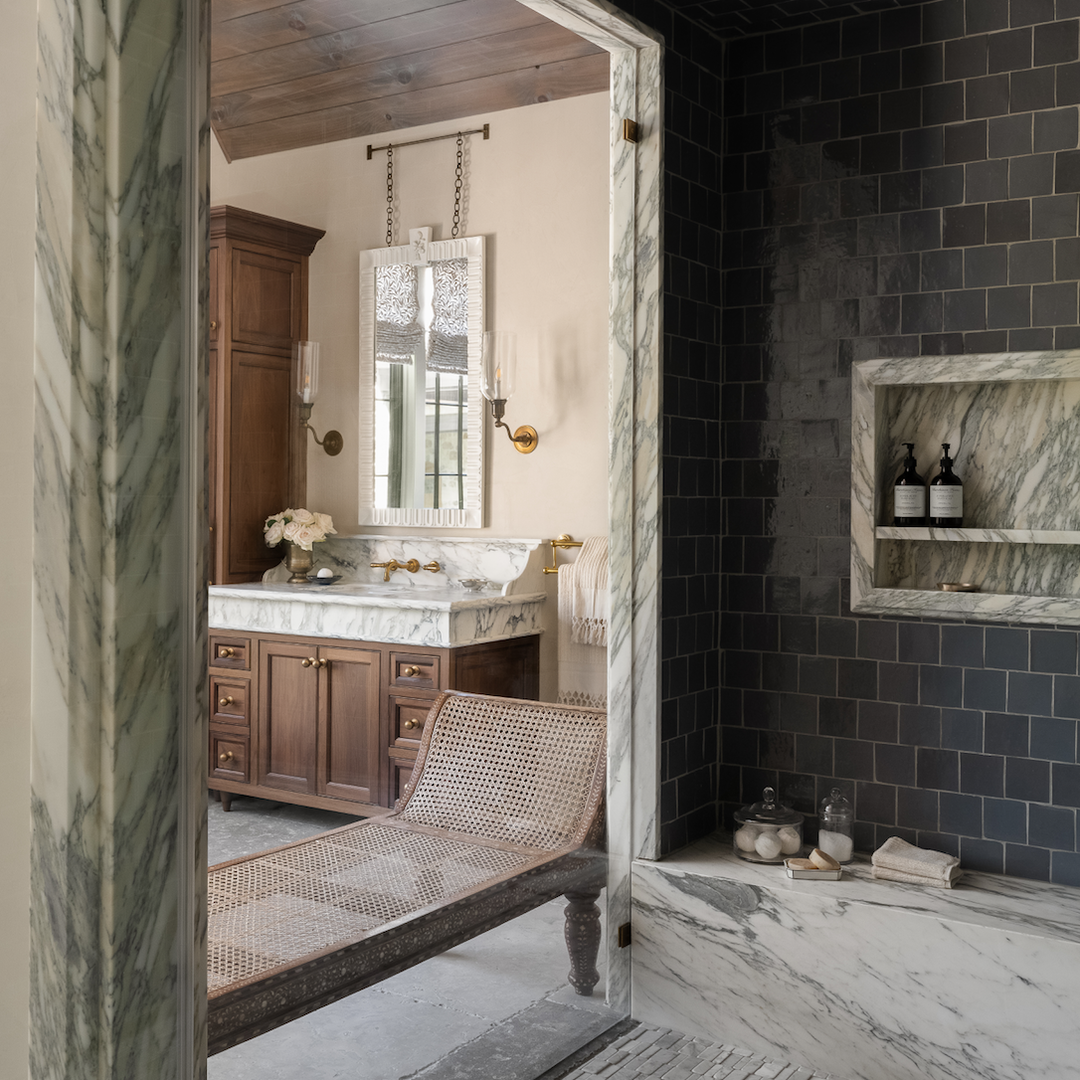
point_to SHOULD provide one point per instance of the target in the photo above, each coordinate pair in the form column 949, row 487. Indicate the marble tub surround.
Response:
column 393, row 612
column 872, row 980
column 1012, row 422
column 497, row 562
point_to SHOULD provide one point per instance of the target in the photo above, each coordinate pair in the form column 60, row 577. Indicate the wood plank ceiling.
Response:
column 300, row 73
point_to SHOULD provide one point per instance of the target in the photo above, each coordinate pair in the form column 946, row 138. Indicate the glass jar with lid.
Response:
column 836, row 835
column 767, row 831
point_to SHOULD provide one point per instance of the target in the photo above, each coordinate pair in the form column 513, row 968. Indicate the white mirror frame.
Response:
column 471, row 516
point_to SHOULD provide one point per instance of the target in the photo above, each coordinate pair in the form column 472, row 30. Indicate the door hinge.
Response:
column 631, row 131
column 624, row 935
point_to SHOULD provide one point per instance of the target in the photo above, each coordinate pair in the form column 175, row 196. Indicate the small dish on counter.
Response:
column 812, row 875
column 957, row 586
column 316, row 580
column 473, row 584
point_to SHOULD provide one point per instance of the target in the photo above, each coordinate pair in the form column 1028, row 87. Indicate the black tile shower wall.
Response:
column 899, row 183
column 691, row 518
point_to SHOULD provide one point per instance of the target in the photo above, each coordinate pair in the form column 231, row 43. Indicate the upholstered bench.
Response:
column 504, row 811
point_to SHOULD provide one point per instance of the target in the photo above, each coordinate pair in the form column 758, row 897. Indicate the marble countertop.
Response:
column 1009, row 904
column 402, row 614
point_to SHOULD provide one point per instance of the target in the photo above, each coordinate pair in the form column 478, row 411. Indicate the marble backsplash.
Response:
column 495, row 562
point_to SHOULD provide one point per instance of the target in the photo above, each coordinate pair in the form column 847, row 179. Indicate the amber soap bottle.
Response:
column 909, row 493
column 946, row 495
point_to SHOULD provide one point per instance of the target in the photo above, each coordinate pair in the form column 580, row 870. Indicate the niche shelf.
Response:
column 1013, row 421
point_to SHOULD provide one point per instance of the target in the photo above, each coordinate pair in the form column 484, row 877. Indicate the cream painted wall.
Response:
column 18, row 84
column 538, row 190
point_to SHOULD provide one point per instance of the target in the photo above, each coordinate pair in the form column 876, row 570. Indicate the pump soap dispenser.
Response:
column 909, row 493
column 946, row 495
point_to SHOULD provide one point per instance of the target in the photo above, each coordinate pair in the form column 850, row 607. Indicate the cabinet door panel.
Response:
column 259, row 457
column 288, row 696
column 266, row 299
column 349, row 724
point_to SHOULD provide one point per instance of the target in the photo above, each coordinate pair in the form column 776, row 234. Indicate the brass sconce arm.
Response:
column 331, row 442
column 524, row 439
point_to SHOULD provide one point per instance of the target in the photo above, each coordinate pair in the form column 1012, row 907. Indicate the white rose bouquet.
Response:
column 300, row 527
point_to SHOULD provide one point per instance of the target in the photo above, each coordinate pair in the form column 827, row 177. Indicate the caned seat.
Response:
column 503, row 812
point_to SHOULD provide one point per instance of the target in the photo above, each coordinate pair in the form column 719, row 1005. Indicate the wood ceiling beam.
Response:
column 507, row 90
column 391, row 77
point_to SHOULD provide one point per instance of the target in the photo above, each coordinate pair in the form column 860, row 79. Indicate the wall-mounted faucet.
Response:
column 412, row 566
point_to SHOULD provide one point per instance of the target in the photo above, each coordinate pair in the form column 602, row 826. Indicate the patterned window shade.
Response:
column 449, row 346
column 397, row 326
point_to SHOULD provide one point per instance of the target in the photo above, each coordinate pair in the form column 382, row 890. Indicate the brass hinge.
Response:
column 624, row 935
column 631, row 131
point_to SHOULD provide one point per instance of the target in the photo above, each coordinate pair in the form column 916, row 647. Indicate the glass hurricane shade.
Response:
column 499, row 364
column 307, row 371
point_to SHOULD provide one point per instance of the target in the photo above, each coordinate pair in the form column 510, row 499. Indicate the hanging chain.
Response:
column 389, row 196
column 457, row 188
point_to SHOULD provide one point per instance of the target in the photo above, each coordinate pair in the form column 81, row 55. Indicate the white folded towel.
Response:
column 897, row 860
column 583, row 593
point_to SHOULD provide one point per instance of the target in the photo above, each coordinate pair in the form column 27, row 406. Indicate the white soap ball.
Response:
column 768, row 845
column 325, row 572
column 790, row 841
column 746, row 837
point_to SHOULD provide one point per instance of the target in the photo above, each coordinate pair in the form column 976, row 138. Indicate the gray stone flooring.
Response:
column 647, row 1052
column 496, row 1008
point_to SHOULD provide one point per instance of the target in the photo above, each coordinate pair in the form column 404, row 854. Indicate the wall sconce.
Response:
column 307, row 386
column 497, row 384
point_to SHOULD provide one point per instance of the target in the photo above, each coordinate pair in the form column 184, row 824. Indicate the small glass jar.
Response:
column 767, row 831
column 837, row 825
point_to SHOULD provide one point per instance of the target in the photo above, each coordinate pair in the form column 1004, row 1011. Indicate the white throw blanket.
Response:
column 583, row 624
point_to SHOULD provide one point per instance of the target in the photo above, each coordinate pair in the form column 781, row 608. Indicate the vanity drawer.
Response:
column 418, row 670
column 407, row 716
column 228, row 756
column 401, row 767
column 228, row 651
column 229, row 700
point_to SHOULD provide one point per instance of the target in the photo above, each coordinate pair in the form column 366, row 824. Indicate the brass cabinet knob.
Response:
column 224, row 757
column 410, row 670
column 225, row 652
column 213, row 324
column 323, row 663
column 309, row 662
column 410, row 724
column 225, row 702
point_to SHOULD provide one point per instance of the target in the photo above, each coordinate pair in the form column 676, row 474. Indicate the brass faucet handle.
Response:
column 389, row 567
column 433, row 566
column 412, row 565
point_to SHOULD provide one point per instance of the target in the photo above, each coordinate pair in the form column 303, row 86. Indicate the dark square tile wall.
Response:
column 889, row 194
column 691, row 509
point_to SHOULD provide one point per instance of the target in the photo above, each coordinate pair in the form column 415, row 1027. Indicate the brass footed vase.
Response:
column 298, row 562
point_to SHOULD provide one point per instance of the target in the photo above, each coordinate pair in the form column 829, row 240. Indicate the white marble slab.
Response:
column 496, row 561
column 1011, row 421
column 397, row 613
column 870, row 980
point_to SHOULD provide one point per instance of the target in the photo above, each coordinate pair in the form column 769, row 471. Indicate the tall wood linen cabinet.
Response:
column 258, row 271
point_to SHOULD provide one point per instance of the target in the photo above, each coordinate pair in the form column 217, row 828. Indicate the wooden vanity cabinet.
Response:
column 335, row 724
column 258, row 274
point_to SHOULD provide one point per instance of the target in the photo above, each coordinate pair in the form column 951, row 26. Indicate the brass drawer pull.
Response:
column 225, row 702
column 410, row 724
column 410, row 670
column 224, row 757
column 309, row 662
column 225, row 652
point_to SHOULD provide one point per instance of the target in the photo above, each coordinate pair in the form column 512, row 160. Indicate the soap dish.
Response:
column 812, row 875
column 472, row 584
column 314, row 579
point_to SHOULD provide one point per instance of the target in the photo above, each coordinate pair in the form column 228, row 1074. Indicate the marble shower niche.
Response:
column 1013, row 423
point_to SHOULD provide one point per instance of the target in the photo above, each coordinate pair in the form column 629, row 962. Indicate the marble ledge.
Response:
column 991, row 900
column 432, row 617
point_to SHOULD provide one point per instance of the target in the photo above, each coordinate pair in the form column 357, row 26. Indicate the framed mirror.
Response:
column 421, row 413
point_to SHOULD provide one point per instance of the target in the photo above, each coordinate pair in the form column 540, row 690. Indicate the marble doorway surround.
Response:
column 118, row 623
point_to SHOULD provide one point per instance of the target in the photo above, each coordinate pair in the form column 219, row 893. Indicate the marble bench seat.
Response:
column 865, row 979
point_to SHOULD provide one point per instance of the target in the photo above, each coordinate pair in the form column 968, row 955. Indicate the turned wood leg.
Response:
column 583, row 939
column 226, row 801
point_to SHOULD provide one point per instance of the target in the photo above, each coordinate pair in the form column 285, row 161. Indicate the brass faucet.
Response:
column 412, row 566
